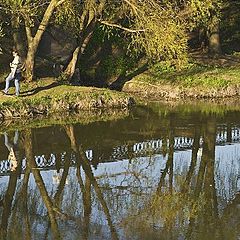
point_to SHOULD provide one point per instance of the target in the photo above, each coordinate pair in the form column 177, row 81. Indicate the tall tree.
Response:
column 157, row 29
column 208, row 14
column 36, row 15
column 34, row 39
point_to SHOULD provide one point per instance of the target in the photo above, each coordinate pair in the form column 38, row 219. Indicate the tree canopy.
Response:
column 153, row 29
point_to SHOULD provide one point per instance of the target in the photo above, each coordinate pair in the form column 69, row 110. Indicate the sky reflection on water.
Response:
column 151, row 175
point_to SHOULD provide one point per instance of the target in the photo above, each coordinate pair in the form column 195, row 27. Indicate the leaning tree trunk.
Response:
column 69, row 72
column 214, row 37
column 79, row 50
column 33, row 41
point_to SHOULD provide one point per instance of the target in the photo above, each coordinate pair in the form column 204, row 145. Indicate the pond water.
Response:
column 158, row 173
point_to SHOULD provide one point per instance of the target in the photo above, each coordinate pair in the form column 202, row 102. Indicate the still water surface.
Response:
column 155, row 174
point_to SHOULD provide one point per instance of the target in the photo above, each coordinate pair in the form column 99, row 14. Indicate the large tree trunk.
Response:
column 17, row 38
column 214, row 37
column 29, row 63
column 33, row 42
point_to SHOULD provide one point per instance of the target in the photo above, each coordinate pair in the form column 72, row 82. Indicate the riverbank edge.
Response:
column 65, row 99
column 47, row 96
column 167, row 92
column 196, row 83
column 63, row 118
column 172, row 92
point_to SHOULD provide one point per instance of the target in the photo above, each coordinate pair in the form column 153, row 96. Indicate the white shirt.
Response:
column 15, row 65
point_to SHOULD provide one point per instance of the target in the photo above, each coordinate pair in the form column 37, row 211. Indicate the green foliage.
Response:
column 158, row 29
column 200, row 12
column 68, row 16
column 24, row 8
column 113, row 66
column 167, row 24
column 230, row 27
column 163, row 35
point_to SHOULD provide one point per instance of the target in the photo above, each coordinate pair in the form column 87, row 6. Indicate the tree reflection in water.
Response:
column 145, row 198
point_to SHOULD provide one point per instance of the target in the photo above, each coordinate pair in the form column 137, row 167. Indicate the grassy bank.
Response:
column 218, row 79
column 213, row 79
column 47, row 96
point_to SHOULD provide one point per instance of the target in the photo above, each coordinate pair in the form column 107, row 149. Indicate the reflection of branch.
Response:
column 7, row 203
column 39, row 182
column 170, row 159
column 24, row 200
column 86, row 192
column 88, row 171
column 8, row 198
column 195, row 149
column 86, row 195
column 205, row 179
column 79, row 177
column 62, row 183
column 86, row 189
column 168, row 166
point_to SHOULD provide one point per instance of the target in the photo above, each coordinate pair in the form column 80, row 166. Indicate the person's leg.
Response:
column 8, row 79
column 17, row 85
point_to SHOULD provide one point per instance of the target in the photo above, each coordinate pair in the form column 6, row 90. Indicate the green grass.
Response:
column 46, row 96
column 195, row 76
column 207, row 78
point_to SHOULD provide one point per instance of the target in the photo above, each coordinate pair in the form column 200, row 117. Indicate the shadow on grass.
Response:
column 38, row 89
column 2, row 85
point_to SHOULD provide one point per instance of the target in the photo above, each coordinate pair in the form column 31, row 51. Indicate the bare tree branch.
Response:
column 121, row 27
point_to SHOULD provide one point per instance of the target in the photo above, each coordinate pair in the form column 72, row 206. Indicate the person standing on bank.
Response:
column 15, row 74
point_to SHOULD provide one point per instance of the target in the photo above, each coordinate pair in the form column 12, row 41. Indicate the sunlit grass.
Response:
column 195, row 76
